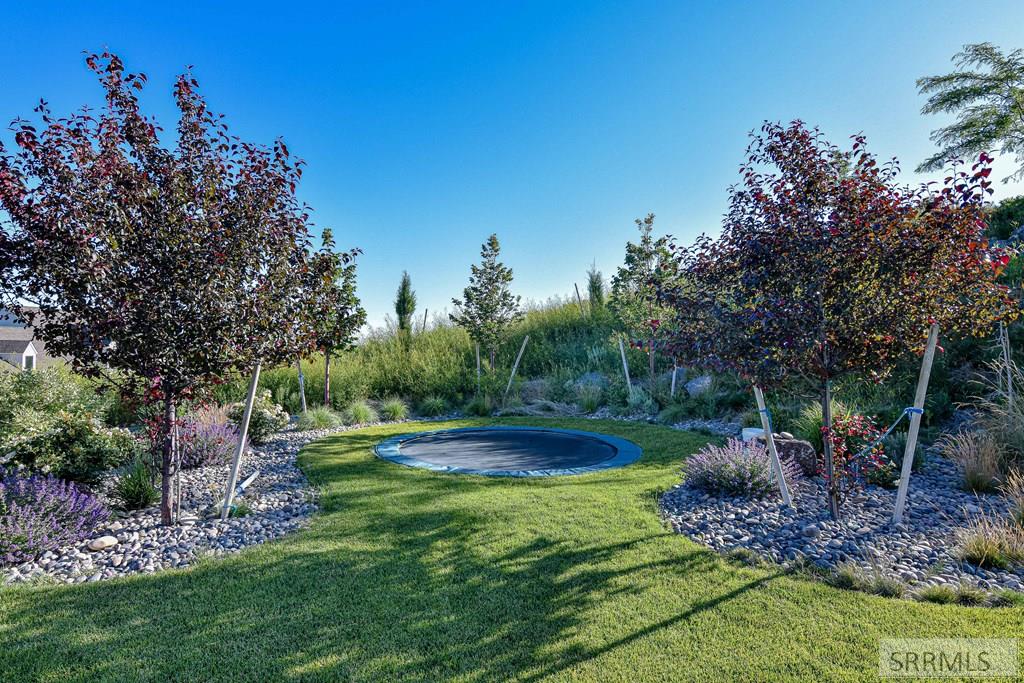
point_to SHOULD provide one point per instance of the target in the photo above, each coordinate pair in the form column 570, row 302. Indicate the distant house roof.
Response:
column 15, row 345
column 12, row 329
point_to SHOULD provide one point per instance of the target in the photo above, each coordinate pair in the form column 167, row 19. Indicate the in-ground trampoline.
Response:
column 509, row 451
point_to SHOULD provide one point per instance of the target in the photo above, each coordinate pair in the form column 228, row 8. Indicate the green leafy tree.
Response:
column 175, row 265
column 488, row 307
column 986, row 94
column 634, row 291
column 405, row 304
column 595, row 288
column 338, row 312
column 1006, row 217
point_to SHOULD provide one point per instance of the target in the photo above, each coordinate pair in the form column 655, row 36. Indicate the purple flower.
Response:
column 736, row 469
column 207, row 438
column 40, row 513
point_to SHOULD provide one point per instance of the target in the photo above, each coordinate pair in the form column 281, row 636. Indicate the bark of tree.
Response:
column 327, row 378
column 493, row 353
column 830, row 473
column 167, row 463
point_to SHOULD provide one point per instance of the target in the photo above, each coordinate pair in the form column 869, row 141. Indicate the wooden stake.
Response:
column 1004, row 340
column 515, row 367
column 243, row 433
column 424, row 328
column 478, row 367
column 625, row 367
column 772, row 452
column 915, row 423
column 302, row 384
column 672, row 391
column 579, row 299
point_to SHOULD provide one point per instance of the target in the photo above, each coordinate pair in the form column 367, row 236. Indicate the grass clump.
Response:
column 990, row 542
column 745, row 556
column 134, row 490
column 481, row 406
column 848, row 576
column 433, row 406
column 394, row 409
column 318, row 418
column 1013, row 489
column 673, row 414
column 980, row 457
column 807, row 425
column 939, row 594
column 970, row 595
column 360, row 413
column 589, row 397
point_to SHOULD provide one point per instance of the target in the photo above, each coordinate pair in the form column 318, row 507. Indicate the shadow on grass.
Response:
column 406, row 575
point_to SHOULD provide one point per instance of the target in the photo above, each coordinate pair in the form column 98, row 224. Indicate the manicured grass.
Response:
column 409, row 575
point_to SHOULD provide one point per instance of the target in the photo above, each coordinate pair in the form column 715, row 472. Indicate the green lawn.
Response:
column 407, row 575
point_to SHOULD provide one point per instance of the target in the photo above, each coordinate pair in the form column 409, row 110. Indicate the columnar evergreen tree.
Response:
column 634, row 291
column 405, row 304
column 595, row 288
column 826, row 267
column 339, row 314
column 487, row 307
column 176, row 265
column 986, row 94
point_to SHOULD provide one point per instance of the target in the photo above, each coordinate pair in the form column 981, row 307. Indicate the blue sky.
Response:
column 426, row 126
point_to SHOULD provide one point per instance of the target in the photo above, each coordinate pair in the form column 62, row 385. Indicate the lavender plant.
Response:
column 40, row 513
column 207, row 438
column 736, row 469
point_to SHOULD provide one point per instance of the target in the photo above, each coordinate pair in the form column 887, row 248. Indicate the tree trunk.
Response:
column 302, row 384
column 327, row 378
column 650, row 362
column 830, row 473
column 167, row 464
column 493, row 354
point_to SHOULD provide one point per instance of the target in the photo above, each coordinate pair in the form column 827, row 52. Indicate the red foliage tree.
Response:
column 825, row 266
column 177, row 265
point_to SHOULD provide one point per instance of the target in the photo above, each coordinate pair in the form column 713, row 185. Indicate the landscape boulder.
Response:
column 698, row 385
column 102, row 543
column 798, row 450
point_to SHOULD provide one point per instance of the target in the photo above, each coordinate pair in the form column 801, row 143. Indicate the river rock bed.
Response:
column 279, row 501
column 920, row 551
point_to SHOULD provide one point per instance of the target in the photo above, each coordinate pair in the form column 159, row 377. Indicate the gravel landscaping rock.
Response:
column 280, row 501
column 921, row 551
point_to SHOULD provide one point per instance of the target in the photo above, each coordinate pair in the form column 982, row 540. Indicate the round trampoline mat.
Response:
column 510, row 451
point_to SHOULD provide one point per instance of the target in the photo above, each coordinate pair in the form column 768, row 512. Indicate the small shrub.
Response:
column 886, row 586
column 239, row 510
column 990, row 542
column 970, row 595
column 745, row 556
column 433, row 406
column 78, row 448
column 940, row 594
column 589, row 397
column 979, row 455
column 40, row 513
column 673, row 414
column 359, row 413
column 317, row 418
column 267, row 417
column 848, row 576
column 858, row 458
column 736, row 469
column 207, row 438
column 479, row 407
column 394, row 409
column 134, row 490
column 641, row 403
column 1006, row 598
